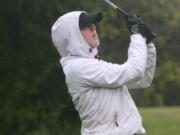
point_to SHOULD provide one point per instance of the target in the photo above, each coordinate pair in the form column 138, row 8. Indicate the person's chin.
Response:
column 97, row 43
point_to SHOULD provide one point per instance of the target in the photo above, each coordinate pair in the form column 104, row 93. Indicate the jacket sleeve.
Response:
column 94, row 73
column 150, row 69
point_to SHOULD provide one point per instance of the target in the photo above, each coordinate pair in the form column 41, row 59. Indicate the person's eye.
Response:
column 92, row 27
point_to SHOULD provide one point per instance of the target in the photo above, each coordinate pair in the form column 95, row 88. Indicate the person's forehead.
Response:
column 90, row 27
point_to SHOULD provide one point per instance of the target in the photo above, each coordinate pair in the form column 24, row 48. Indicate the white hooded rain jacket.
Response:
column 99, row 89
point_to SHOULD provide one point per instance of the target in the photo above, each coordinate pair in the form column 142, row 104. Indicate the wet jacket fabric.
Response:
column 99, row 89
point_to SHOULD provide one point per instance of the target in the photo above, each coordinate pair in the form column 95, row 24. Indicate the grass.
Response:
column 161, row 121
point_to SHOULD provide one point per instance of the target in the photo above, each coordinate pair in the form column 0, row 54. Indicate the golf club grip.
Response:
column 122, row 13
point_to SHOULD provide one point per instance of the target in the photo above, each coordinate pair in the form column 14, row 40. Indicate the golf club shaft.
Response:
column 118, row 9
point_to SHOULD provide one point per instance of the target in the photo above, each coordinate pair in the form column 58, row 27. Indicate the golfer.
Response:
column 99, row 89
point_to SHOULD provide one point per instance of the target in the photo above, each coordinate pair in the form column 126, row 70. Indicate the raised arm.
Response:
column 150, row 69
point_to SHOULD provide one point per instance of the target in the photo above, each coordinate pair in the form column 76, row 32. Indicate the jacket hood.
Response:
column 67, row 37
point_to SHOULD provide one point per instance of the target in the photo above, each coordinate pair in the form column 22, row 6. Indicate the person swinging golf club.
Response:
column 99, row 89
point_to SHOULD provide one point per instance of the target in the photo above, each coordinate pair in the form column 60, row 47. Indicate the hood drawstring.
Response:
column 90, row 50
column 97, row 57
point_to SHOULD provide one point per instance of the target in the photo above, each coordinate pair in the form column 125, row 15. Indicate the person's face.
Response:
column 90, row 35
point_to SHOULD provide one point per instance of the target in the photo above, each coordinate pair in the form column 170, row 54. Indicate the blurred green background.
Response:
column 33, row 96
